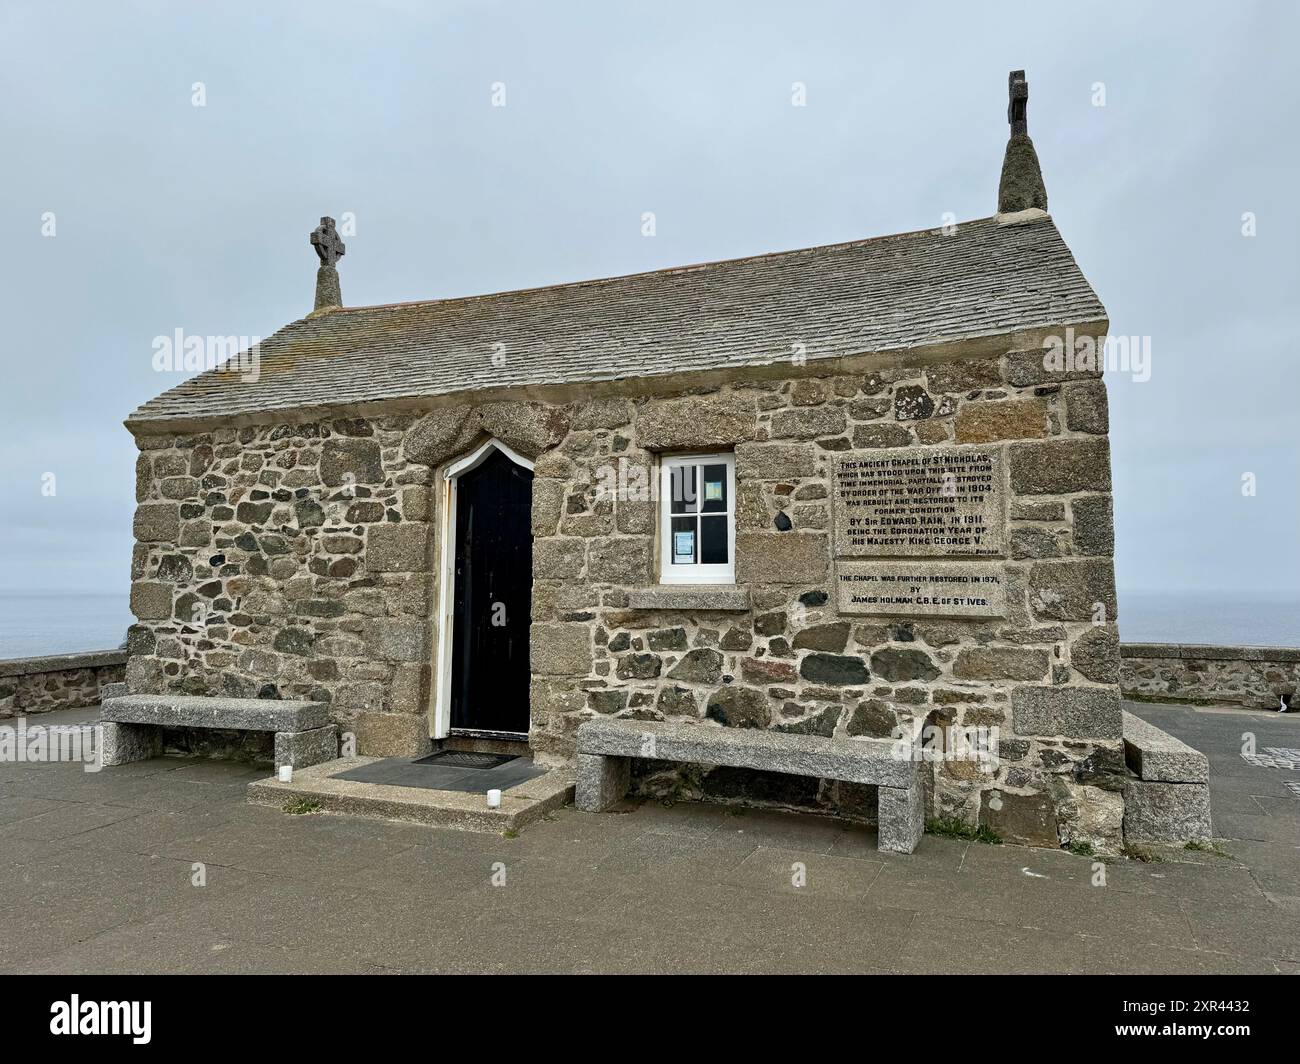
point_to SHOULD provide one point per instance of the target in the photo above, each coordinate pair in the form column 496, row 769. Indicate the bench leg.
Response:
column 120, row 744
column 602, row 782
column 301, row 749
column 902, row 817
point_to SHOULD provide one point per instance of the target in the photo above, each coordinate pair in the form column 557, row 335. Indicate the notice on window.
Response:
column 684, row 547
column 713, row 491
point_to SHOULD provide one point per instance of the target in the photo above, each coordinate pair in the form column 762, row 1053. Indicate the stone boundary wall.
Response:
column 57, row 681
column 1255, row 677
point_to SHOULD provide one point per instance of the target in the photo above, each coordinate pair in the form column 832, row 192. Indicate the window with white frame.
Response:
column 697, row 519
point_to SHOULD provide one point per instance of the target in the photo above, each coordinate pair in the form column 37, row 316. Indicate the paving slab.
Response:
column 80, row 898
column 1269, row 931
column 166, row 945
column 757, row 827
column 647, row 888
column 710, row 927
column 1230, row 803
column 66, row 820
column 938, row 943
column 797, row 872
column 15, row 807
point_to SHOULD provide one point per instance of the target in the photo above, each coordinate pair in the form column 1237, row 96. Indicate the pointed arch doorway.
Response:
column 485, row 595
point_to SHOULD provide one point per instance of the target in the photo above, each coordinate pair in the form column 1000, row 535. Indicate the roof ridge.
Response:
column 662, row 271
column 881, row 294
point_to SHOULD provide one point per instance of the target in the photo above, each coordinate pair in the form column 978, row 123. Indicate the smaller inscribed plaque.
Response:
column 921, row 589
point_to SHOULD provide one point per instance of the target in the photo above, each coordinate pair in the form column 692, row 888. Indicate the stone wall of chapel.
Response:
column 1044, row 674
column 309, row 552
column 287, row 561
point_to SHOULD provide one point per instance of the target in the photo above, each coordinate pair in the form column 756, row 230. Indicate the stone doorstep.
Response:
column 520, row 805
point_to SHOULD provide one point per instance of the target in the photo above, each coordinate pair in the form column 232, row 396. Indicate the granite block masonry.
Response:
column 1166, row 812
column 284, row 580
column 289, row 563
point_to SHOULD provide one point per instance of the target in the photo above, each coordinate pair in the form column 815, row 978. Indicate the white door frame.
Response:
column 440, row 722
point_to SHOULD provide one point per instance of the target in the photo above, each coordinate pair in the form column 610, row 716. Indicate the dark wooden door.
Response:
column 492, row 597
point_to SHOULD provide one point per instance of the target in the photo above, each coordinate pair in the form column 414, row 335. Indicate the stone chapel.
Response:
column 834, row 493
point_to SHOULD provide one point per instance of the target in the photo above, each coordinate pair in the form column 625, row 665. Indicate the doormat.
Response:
column 440, row 773
column 465, row 759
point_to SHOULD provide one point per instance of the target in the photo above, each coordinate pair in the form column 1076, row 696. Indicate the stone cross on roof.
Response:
column 325, row 239
column 1021, row 186
column 1017, row 102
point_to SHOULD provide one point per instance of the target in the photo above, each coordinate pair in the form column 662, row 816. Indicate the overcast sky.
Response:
column 171, row 216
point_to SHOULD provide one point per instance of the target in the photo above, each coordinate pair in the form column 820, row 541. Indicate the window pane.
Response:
column 683, row 489
column 684, row 548
column 713, row 540
column 713, row 496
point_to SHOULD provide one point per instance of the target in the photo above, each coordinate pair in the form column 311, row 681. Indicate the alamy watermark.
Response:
column 79, row 743
column 953, row 742
column 133, row 1019
column 1088, row 354
column 182, row 353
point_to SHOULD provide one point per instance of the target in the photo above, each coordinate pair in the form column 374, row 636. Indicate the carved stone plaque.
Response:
column 920, row 502
column 921, row 589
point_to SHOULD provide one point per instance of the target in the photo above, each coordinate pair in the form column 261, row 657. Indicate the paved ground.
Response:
column 96, row 876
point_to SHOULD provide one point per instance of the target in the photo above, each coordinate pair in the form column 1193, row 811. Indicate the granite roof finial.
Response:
column 329, row 249
column 1021, row 186
column 1018, row 102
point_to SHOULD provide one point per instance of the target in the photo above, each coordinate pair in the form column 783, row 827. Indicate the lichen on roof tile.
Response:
column 877, row 295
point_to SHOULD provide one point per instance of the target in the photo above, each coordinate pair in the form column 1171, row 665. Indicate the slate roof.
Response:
column 883, row 294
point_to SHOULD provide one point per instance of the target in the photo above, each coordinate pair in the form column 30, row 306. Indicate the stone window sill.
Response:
column 716, row 597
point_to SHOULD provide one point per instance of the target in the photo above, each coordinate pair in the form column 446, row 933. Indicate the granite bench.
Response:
column 1169, row 800
column 605, row 749
column 132, row 725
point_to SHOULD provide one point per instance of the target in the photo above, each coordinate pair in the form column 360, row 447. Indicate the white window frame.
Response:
column 697, row 573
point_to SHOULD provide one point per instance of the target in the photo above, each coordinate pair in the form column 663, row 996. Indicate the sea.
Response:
column 1217, row 618
column 33, row 624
